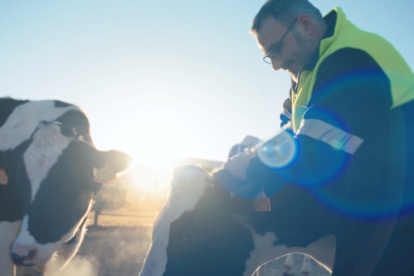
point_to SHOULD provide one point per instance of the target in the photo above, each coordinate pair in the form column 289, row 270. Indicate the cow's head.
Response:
column 60, row 169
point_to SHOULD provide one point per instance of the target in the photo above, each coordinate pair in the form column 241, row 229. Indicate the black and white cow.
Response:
column 205, row 230
column 48, row 178
column 248, row 143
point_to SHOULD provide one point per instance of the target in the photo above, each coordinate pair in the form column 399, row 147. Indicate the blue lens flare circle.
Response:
column 278, row 152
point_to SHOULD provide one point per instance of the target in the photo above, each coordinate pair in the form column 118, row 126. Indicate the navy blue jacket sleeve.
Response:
column 346, row 127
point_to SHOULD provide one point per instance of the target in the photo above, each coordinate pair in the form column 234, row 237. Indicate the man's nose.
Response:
column 276, row 64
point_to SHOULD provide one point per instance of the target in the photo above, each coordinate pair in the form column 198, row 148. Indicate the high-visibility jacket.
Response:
column 347, row 35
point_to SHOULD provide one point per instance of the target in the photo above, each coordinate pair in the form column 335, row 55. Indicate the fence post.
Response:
column 97, row 213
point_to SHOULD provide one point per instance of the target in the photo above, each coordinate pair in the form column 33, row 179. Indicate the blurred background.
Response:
column 169, row 82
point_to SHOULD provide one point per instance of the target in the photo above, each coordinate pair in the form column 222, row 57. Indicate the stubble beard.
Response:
column 303, row 57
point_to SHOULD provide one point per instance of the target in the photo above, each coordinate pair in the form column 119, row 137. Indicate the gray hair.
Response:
column 285, row 11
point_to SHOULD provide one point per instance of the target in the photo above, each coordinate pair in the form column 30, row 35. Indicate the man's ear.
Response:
column 305, row 24
column 108, row 164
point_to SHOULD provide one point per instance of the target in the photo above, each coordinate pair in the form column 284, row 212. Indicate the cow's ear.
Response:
column 108, row 164
column 4, row 179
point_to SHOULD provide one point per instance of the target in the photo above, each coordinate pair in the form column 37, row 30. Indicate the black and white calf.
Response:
column 203, row 230
column 48, row 174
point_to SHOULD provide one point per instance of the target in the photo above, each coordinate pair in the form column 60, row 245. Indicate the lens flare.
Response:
column 378, row 208
column 377, row 190
column 278, row 152
column 374, row 201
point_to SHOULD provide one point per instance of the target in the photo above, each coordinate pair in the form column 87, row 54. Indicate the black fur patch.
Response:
column 208, row 240
column 63, row 196
column 7, row 105
column 62, row 104
column 15, row 196
column 75, row 124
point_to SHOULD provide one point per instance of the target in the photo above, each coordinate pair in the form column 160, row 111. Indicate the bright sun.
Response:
column 155, row 144
column 154, row 135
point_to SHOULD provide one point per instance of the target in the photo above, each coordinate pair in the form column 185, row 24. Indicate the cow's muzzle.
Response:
column 22, row 255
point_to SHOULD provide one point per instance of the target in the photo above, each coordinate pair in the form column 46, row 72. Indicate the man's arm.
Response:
column 346, row 127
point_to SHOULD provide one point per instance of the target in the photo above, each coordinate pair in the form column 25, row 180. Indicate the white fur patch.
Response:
column 44, row 151
column 307, row 266
column 187, row 186
column 322, row 251
column 24, row 120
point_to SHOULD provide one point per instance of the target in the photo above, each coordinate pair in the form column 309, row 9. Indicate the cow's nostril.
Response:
column 17, row 259
column 31, row 254
column 25, row 259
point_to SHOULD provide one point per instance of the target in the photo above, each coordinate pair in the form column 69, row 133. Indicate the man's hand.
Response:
column 237, row 165
column 250, row 141
column 233, row 177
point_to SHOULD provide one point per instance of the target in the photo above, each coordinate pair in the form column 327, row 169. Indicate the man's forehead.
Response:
column 271, row 30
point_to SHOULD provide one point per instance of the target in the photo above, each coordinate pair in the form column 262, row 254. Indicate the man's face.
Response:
column 295, row 48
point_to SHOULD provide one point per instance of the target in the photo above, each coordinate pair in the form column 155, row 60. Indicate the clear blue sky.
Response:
column 160, row 79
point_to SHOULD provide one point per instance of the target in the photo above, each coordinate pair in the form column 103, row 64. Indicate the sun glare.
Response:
column 155, row 145
column 156, row 134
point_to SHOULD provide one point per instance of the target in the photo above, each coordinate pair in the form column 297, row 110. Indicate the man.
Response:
column 351, row 141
